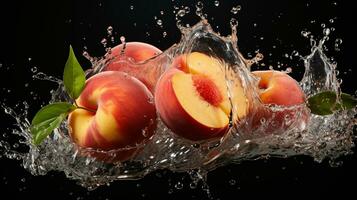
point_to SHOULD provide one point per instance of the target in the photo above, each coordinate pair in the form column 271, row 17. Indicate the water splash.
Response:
column 322, row 137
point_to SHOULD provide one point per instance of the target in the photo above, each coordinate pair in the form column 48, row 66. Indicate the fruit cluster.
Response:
column 191, row 97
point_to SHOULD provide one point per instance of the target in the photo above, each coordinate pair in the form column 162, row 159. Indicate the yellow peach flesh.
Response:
column 192, row 103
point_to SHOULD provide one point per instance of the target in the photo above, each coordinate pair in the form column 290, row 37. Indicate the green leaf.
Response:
column 73, row 76
column 325, row 103
column 48, row 118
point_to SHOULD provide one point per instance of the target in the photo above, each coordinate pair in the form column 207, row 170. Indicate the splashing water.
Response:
column 322, row 137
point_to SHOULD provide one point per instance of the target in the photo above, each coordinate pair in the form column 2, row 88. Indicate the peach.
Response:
column 192, row 98
column 280, row 89
column 129, row 57
column 118, row 112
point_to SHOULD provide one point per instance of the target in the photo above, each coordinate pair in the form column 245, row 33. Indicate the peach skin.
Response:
column 117, row 113
column 279, row 89
column 127, row 58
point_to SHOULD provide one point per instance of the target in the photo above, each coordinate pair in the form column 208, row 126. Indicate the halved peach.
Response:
column 192, row 98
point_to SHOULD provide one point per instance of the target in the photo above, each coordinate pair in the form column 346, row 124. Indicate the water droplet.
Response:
column 164, row 34
column 187, row 9
column 181, row 13
column 193, row 185
column 232, row 182
column 216, row 3
column 179, row 185
column 236, row 9
column 288, row 70
column 29, row 58
column 338, row 41
column 162, row 12
column 199, row 5
column 110, row 30
column 331, row 21
column 131, row 7
column 159, row 22
column 323, row 25
column 34, row 69
column 326, row 31
column 23, row 180
column 305, row 34
column 122, row 39
column 104, row 42
column 199, row 8
column 233, row 22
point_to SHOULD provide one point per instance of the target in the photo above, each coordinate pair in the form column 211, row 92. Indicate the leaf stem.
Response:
column 87, row 109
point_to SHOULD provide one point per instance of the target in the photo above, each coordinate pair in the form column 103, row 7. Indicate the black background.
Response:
column 43, row 30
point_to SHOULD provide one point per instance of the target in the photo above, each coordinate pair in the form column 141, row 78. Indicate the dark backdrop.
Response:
column 38, row 33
